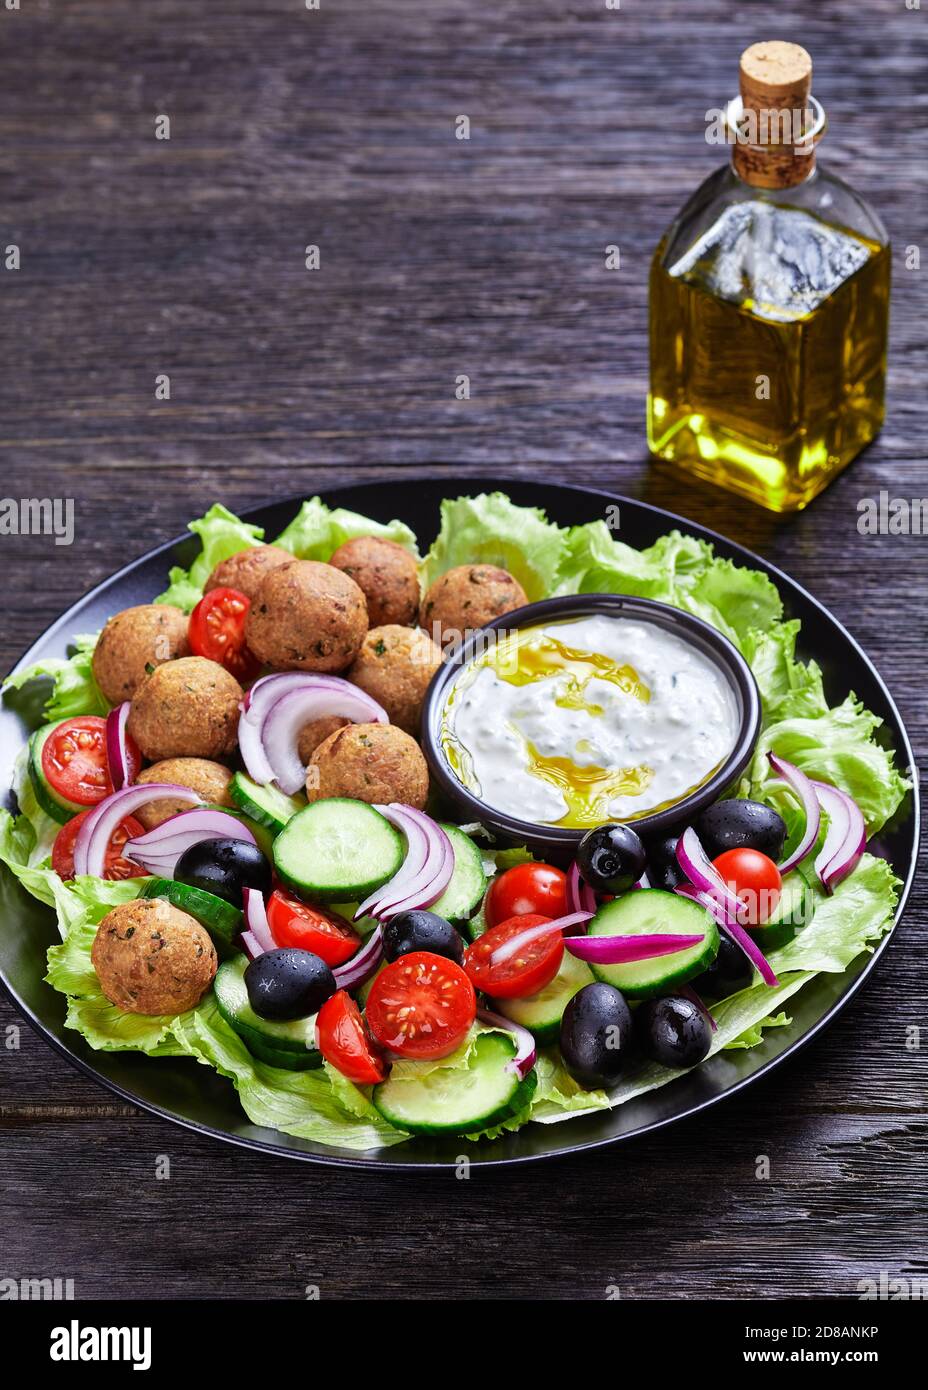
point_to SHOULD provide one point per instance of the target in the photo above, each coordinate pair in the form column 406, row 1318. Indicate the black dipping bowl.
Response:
column 558, row 843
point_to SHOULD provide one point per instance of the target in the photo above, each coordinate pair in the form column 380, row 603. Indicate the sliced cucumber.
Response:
column 267, row 805
column 646, row 910
column 541, row 1012
column 223, row 921
column 51, row 802
column 338, row 850
column 290, row 1044
column 458, row 1100
column 794, row 912
column 464, row 893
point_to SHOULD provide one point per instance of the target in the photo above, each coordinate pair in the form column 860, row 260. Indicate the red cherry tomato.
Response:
column 755, row 879
column 528, row 971
column 116, row 866
column 217, row 631
column 525, row 889
column 294, row 923
column 74, row 760
column 421, row 1006
column 344, row 1041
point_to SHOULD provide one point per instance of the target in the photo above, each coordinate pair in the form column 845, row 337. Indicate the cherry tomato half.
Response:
column 116, row 866
column 421, row 1006
column 525, row 889
column 217, row 631
column 755, row 879
column 74, row 760
column 528, row 971
column 327, row 935
column 344, row 1041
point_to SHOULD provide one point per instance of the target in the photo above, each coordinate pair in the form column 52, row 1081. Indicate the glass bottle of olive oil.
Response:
column 769, row 305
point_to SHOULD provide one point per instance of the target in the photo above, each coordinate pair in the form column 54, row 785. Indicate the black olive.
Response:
column 611, row 858
column 288, row 983
column 673, row 1031
column 663, row 866
column 224, row 868
column 422, row 931
column 596, row 1032
column 730, row 971
column 740, row 824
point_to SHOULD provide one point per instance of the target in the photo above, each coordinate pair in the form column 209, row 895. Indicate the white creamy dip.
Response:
column 592, row 719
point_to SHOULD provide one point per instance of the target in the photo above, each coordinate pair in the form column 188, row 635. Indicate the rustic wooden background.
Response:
column 335, row 127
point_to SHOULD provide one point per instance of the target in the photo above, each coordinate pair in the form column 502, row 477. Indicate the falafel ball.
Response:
column 369, row 762
column 388, row 575
column 394, row 666
column 186, row 709
column 134, row 640
column 151, row 958
column 467, row 598
column 313, row 733
column 245, row 570
column 306, row 617
column 208, row 778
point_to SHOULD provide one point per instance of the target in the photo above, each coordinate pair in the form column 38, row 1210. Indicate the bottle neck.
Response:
column 775, row 147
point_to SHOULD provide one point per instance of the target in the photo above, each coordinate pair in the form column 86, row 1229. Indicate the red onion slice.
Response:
column 580, row 896
column 700, row 871
column 117, row 752
column 159, row 850
column 363, row 964
column 643, row 882
column 526, row 1048
column 734, row 929
column 845, row 839
column 805, row 791
column 515, row 944
column 251, row 946
column 256, row 923
column 623, row 950
column 425, row 872
column 93, row 838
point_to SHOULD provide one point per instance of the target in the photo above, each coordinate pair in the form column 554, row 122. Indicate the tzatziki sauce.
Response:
column 593, row 719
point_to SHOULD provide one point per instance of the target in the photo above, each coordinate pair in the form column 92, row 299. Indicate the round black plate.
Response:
column 193, row 1096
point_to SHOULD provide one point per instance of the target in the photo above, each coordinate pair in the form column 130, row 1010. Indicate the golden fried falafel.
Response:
column 467, row 598
column 313, row 733
column 388, row 575
column 306, row 617
column 134, row 640
column 209, row 778
column 186, row 709
column 369, row 762
column 394, row 667
column 246, row 569
column 151, row 958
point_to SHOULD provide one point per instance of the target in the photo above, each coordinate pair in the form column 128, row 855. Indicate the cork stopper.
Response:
column 775, row 81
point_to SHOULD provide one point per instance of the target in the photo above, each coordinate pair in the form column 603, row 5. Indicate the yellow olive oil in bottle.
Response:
column 769, row 305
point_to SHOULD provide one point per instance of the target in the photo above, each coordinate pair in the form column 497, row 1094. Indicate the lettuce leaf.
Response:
column 74, row 690
column 317, row 531
column 491, row 530
column 222, row 534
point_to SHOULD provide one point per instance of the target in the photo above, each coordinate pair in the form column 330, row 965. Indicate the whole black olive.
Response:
column 225, row 868
column 663, row 867
column 422, row 931
column 596, row 1033
column 288, row 983
column 673, row 1031
column 740, row 824
column 611, row 858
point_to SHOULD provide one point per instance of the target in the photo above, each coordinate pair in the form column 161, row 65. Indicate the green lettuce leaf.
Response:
column 789, row 688
column 317, row 531
column 222, row 534
column 491, row 530
column 74, row 690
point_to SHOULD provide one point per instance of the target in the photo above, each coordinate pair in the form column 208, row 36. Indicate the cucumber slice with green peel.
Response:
column 458, row 1100
column 51, row 802
column 267, row 805
column 338, row 850
column 541, row 1013
column 646, row 910
column 793, row 912
column 290, row 1043
column 464, row 893
column 221, row 919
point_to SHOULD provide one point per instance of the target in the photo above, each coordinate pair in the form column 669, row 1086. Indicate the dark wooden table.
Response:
column 139, row 256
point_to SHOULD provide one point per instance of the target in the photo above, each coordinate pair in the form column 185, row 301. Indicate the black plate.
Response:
column 193, row 1096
